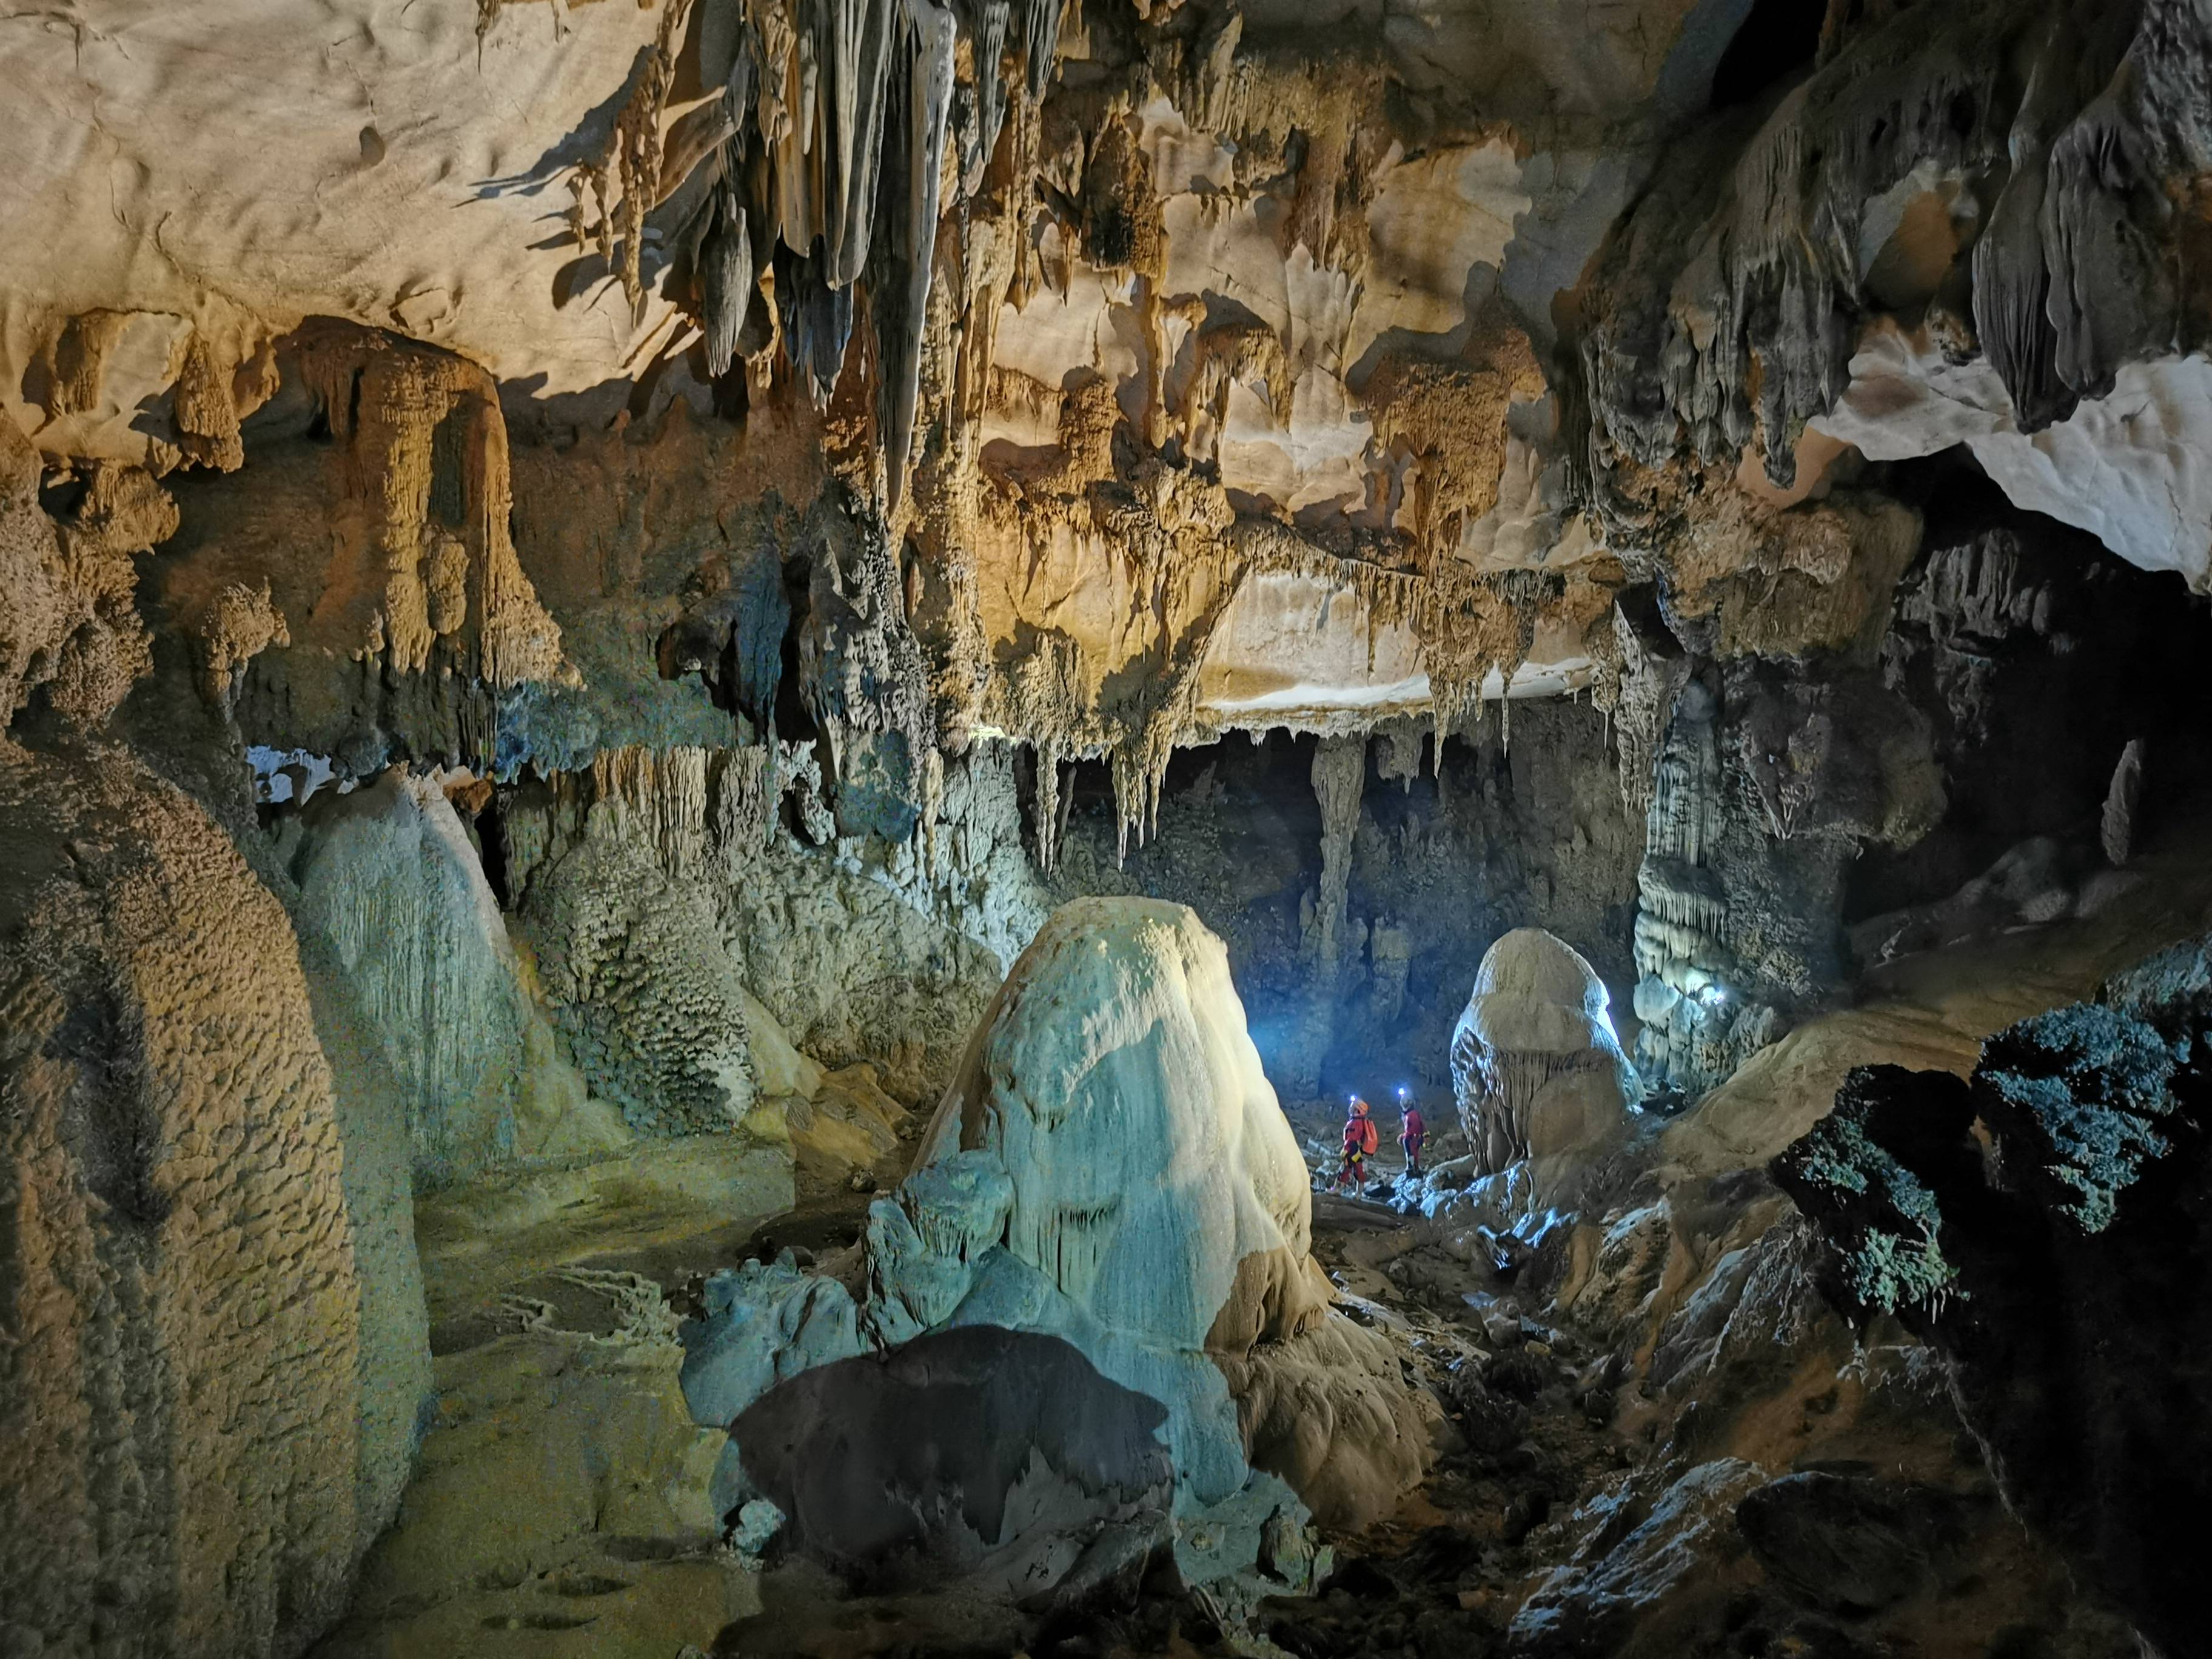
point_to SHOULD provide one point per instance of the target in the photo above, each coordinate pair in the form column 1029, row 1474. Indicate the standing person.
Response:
column 1360, row 1139
column 1411, row 1132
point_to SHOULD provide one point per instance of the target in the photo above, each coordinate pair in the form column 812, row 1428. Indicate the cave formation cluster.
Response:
column 725, row 724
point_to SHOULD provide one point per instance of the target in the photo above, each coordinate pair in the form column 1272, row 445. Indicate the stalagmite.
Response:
column 1108, row 1167
column 1536, row 1068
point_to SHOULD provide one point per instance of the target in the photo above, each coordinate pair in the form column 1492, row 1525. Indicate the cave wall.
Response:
column 2039, row 658
column 2042, row 1225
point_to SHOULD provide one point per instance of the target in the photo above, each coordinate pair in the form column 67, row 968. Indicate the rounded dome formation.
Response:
column 1155, row 1179
column 1544, row 971
column 1537, row 1069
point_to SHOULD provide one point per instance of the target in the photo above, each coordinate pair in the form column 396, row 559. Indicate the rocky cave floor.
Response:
column 1661, row 1439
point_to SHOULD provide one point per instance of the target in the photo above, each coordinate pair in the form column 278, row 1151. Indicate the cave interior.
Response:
column 1105, row 828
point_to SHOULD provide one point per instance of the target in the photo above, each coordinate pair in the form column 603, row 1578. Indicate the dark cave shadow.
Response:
column 900, row 1470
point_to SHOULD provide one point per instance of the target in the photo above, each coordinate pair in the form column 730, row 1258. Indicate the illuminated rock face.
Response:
column 1536, row 1065
column 1299, row 305
column 1110, row 1168
column 212, row 1348
column 1154, row 1179
column 1197, row 366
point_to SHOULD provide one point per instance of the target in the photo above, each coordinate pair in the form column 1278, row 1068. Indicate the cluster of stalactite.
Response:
column 433, row 558
column 1471, row 625
column 804, row 201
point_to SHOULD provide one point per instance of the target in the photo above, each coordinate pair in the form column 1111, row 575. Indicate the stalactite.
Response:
column 659, row 796
column 1131, row 786
column 827, row 147
column 1048, row 806
column 853, row 46
column 1224, row 357
column 78, row 360
column 1698, row 1020
column 817, row 321
column 207, row 412
column 239, row 623
column 1471, row 623
column 1398, row 752
column 987, row 22
column 1644, row 669
column 696, row 808
column 1449, row 420
column 1051, row 696
column 726, row 275
column 69, row 617
column 1040, row 38
column 635, row 157
column 920, row 96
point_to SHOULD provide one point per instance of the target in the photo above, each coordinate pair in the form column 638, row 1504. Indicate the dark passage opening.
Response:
column 1779, row 38
column 491, row 850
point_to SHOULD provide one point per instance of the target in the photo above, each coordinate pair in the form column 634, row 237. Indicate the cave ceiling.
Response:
column 1180, row 367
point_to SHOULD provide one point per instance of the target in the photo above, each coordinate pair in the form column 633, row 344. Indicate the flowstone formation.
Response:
column 1537, row 1070
column 209, row 1387
column 1105, row 1238
column 390, row 886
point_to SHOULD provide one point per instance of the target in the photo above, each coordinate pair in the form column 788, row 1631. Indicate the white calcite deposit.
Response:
column 1109, row 1171
column 1536, row 1067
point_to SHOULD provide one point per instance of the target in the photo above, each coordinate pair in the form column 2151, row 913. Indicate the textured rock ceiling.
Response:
column 1188, row 365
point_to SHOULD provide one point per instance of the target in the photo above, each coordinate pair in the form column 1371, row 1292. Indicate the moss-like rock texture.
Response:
column 2047, row 1227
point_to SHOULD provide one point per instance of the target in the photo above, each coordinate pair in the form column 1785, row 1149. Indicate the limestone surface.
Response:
column 197, row 1447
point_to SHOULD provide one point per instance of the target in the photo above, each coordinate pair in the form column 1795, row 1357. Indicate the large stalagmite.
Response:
column 207, row 1410
column 1109, row 1169
column 1536, row 1065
